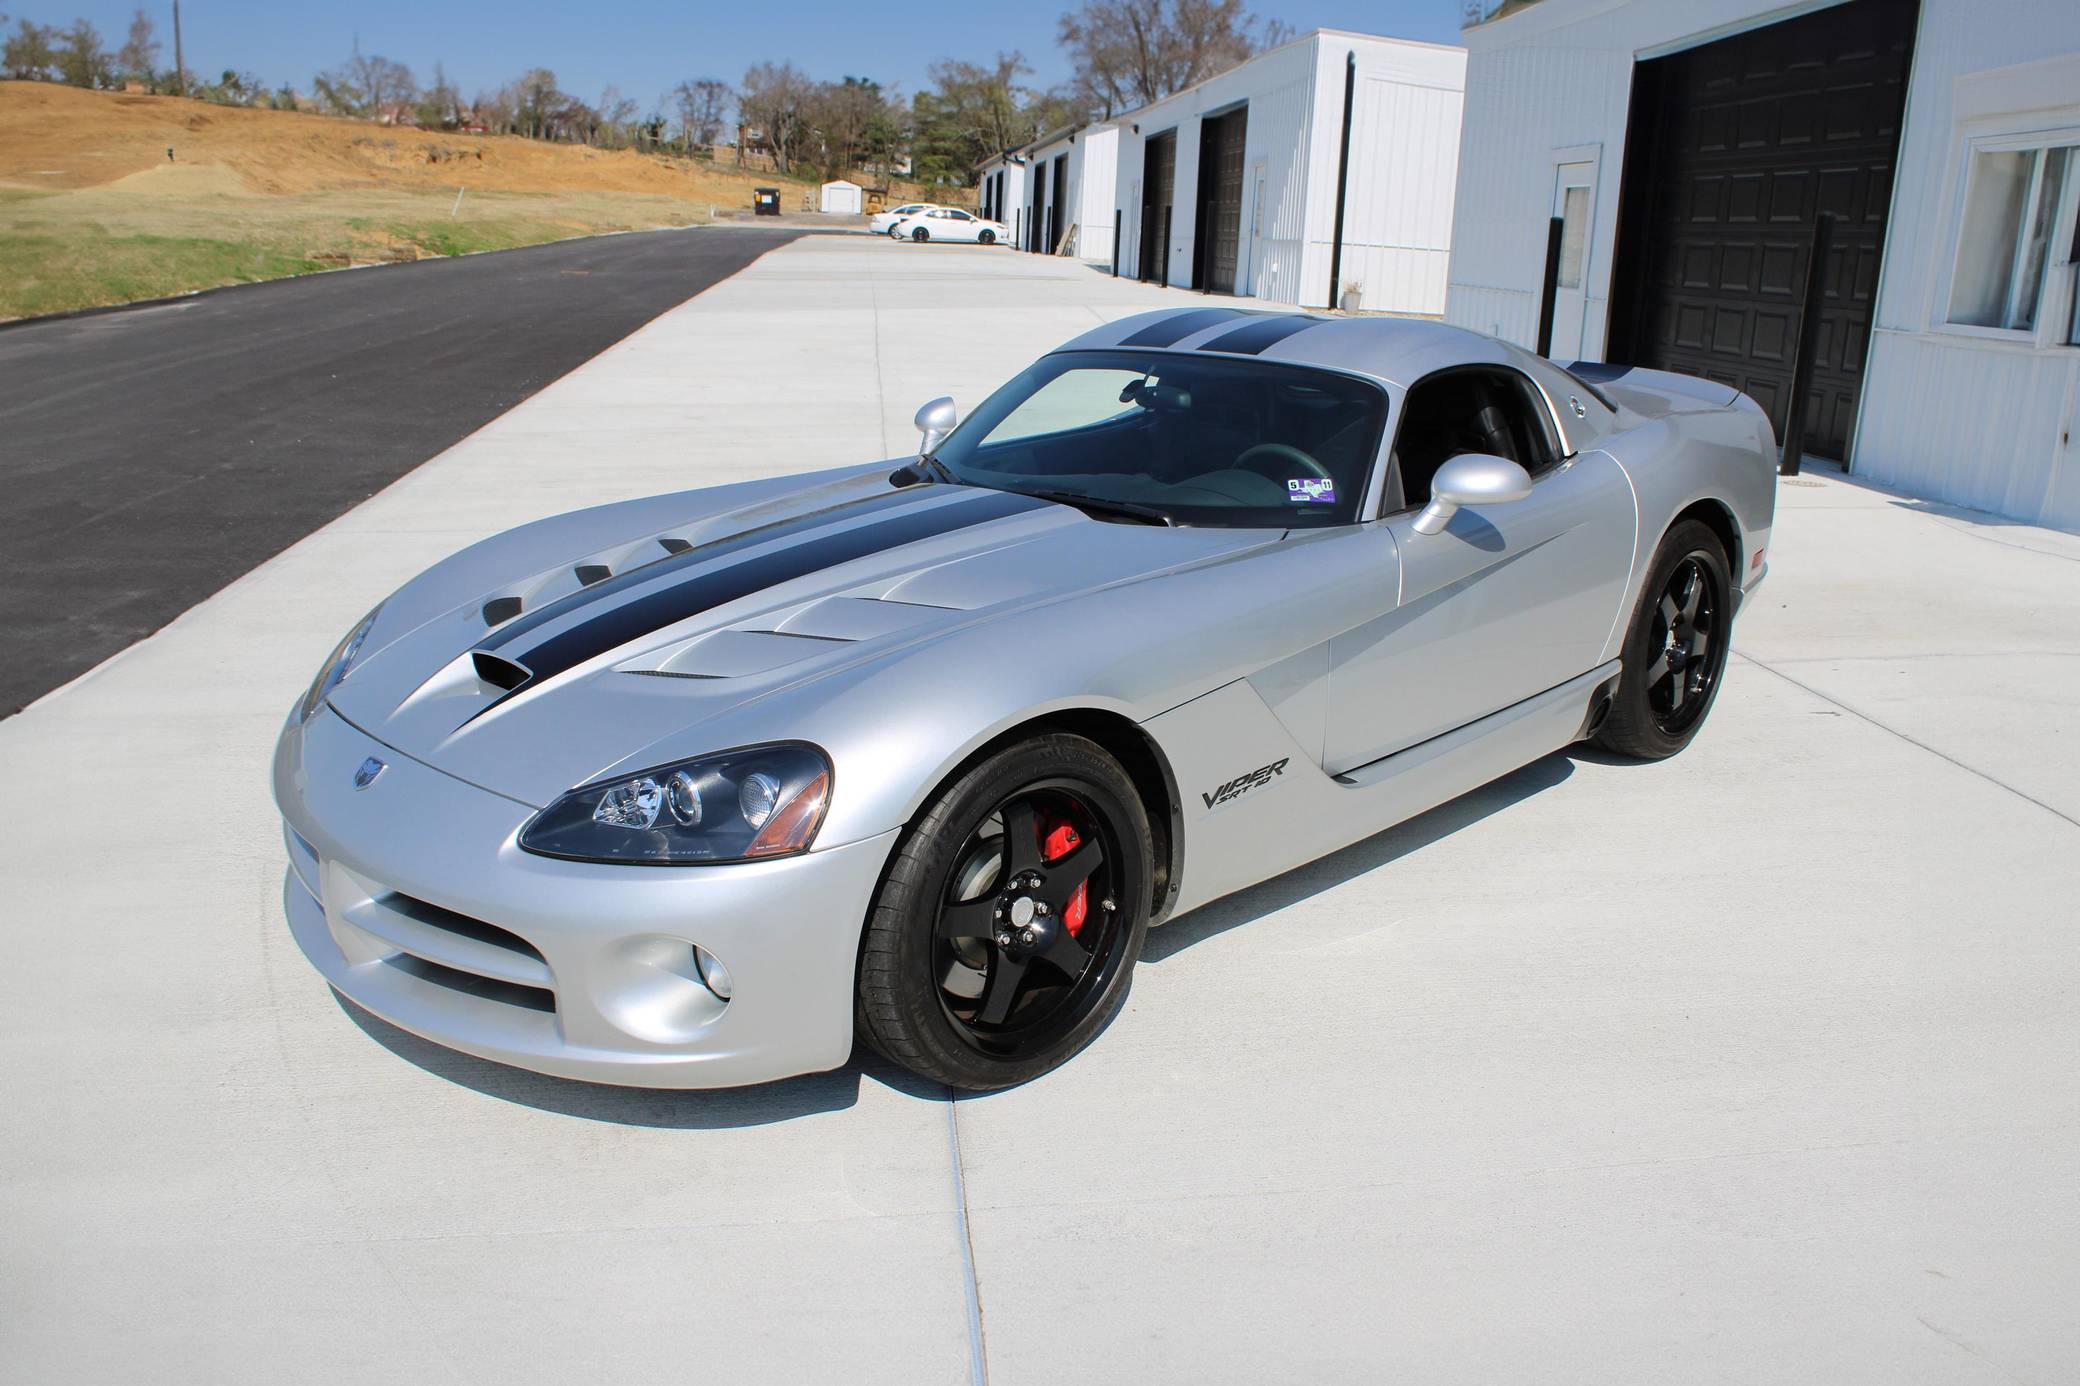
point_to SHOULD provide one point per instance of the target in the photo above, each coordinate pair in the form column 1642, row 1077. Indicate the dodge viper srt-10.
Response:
column 698, row 790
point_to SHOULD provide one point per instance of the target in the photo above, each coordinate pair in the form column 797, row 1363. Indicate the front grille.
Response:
column 435, row 944
column 471, row 984
column 433, row 916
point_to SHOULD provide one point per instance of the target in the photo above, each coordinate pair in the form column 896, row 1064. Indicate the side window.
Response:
column 960, row 216
column 1479, row 409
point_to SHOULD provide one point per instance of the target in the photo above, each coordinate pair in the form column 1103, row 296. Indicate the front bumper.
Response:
column 413, row 898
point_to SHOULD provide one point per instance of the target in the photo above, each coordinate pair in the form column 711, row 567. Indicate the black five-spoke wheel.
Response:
column 1679, row 681
column 1675, row 649
column 1003, row 939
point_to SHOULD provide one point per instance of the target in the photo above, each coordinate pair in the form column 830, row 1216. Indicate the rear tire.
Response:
column 920, row 234
column 1675, row 649
column 1005, row 933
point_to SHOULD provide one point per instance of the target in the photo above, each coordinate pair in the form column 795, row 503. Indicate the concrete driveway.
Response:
column 1757, row 1065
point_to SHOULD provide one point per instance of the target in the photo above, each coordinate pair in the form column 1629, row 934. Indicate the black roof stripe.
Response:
column 620, row 622
column 1170, row 331
column 1253, row 338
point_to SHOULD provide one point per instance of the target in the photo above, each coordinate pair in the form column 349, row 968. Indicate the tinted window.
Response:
column 1206, row 440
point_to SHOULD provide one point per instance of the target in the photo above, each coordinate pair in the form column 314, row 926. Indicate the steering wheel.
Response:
column 1266, row 452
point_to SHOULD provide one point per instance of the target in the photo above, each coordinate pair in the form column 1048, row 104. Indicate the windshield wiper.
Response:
column 1094, row 505
column 923, row 468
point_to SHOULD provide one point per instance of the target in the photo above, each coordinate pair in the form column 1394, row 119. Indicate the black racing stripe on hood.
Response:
column 603, row 592
column 620, row 622
column 1173, row 330
column 1249, row 340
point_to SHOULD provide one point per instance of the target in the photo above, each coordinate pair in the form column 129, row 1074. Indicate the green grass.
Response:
column 49, row 273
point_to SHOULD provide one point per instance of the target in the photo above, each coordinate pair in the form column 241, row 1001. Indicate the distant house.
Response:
column 399, row 113
column 1690, row 150
column 1233, row 186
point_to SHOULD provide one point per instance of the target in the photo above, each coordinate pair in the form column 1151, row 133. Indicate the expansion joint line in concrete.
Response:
column 1863, row 716
column 978, row 1364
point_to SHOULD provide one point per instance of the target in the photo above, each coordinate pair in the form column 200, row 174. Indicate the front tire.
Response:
column 1675, row 649
column 1003, row 938
column 988, row 238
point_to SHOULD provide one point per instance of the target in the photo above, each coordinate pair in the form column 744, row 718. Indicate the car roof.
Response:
column 1397, row 351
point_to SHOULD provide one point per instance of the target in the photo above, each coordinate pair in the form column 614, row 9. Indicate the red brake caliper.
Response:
column 1060, row 841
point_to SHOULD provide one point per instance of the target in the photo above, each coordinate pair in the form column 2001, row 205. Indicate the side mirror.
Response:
column 935, row 420
column 1471, row 478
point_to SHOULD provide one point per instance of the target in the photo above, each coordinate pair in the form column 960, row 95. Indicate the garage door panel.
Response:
column 1735, row 149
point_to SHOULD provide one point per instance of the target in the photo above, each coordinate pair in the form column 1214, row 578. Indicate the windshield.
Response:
column 1204, row 440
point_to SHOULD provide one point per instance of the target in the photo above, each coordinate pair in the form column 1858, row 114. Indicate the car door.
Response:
column 961, row 227
column 1509, row 600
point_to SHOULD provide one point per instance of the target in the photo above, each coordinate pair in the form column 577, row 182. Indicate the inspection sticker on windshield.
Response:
column 1311, row 490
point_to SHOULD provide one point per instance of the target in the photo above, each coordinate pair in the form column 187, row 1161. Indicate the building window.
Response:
column 1574, row 236
column 2017, row 203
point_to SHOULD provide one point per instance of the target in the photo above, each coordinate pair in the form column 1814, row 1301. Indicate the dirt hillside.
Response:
column 93, row 211
column 55, row 138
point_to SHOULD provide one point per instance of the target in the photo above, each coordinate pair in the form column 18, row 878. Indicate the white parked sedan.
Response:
column 949, row 224
column 881, row 222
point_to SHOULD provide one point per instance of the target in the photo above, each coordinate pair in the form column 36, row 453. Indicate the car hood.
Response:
column 579, row 662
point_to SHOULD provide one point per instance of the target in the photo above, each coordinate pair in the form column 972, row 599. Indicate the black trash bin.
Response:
column 765, row 202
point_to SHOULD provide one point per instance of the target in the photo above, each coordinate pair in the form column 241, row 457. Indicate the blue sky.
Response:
column 647, row 46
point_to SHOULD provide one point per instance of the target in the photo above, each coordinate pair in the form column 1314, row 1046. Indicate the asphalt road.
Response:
column 151, row 455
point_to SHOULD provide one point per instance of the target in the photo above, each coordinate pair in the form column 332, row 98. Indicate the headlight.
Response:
column 762, row 801
column 336, row 665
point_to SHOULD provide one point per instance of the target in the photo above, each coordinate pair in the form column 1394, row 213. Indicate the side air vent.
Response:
column 499, row 672
column 501, row 609
column 674, row 544
column 589, row 573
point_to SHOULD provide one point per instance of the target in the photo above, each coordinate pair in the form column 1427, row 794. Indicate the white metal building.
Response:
column 1231, row 186
column 1002, row 192
column 1066, row 180
column 1689, row 148
column 841, row 196
column 1069, row 186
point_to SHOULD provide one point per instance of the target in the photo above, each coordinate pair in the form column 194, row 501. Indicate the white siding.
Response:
column 1405, row 116
column 1403, row 152
column 1982, row 423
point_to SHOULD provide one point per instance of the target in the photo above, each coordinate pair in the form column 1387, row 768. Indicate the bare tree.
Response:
column 1127, row 53
column 703, row 107
column 843, row 115
column 139, row 55
column 367, row 84
column 774, row 101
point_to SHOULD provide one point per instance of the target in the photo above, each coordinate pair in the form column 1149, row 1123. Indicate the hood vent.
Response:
column 498, row 671
column 589, row 573
column 673, row 544
column 501, row 609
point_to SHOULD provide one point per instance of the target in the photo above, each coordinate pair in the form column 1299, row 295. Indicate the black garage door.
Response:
column 1158, row 179
column 1218, row 235
column 1734, row 150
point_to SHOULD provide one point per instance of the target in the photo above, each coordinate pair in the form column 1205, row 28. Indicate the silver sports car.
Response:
column 697, row 790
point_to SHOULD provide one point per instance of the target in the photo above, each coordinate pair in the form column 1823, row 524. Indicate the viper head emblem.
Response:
column 365, row 774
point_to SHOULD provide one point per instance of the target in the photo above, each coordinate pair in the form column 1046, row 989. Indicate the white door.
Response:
column 1574, row 201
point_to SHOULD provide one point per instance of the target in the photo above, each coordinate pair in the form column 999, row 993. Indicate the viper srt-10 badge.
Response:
column 1243, row 784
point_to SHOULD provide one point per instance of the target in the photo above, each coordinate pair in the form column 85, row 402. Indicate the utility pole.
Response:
column 180, row 66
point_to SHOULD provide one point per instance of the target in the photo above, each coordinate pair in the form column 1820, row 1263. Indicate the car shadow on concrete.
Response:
column 700, row 1110
column 1381, row 849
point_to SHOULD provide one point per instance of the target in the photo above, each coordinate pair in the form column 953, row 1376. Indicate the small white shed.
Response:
column 841, row 196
